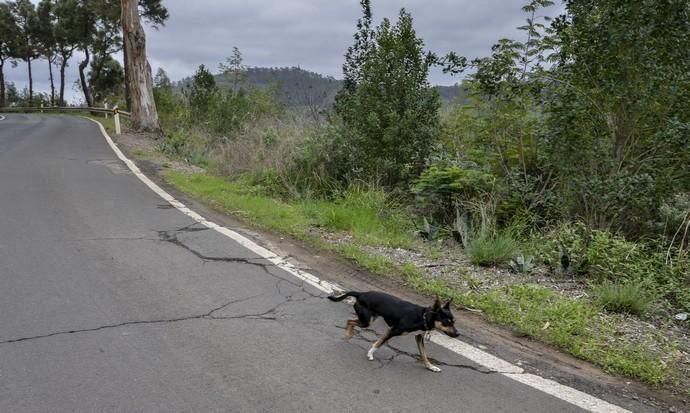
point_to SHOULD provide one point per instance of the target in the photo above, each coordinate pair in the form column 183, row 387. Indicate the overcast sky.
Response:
column 312, row 34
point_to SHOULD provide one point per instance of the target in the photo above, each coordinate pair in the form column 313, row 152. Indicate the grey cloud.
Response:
column 313, row 34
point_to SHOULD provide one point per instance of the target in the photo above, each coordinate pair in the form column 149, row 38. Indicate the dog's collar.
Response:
column 426, row 327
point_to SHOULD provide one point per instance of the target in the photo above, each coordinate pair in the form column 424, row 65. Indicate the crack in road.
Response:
column 270, row 314
column 171, row 237
column 207, row 316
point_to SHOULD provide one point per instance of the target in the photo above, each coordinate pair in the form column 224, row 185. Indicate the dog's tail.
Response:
column 344, row 296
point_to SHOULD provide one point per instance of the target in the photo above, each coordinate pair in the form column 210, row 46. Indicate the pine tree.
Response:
column 387, row 103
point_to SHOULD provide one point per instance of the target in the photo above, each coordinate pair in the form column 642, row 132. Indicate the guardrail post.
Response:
column 116, row 117
column 105, row 105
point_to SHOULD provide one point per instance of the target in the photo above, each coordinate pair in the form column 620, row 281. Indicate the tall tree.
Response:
column 98, row 35
column 45, row 35
column 234, row 69
column 139, row 80
column 155, row 14
column 387, row 101
column 27, row 44
column 356, row 56
column 619, row 107
column 100, row 23
column 8, row 36
column 105, row 42
column 68, row 33
column 108, row 80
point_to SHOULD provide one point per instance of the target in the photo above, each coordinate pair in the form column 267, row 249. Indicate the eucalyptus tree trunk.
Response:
column 82, row 77
column 2, row 83
column 52, row 81
column 138, row 71
column 63, row 64
column 65, row 55
column 31, row 80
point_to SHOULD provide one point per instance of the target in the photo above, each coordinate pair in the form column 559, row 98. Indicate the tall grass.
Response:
column 626, row 298
column 368, row 215
column 492, row 249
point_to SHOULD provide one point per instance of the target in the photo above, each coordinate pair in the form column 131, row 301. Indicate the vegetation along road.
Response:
column 113, row 300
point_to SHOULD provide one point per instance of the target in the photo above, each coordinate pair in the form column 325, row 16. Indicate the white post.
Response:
column 116, row 117
column 41, row 107
column 106, row 108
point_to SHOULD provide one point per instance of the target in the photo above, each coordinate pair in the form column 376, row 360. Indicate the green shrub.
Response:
column 603, row 256
column 442, row 186
column 627, row 298
column 191, row 147
column 489, row 250
column 387, row 101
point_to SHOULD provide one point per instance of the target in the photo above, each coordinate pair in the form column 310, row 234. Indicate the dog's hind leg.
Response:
column 422, row 353
column 363, row 320
column 381, row 341
column 351, row 324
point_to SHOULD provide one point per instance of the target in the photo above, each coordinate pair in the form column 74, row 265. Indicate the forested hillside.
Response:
column 294, row 86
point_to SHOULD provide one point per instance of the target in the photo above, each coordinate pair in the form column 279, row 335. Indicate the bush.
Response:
column 387, row 101
column 627, row 298
column 489, row 250
column 443, row 186
column 325, row 163
column 603, row 256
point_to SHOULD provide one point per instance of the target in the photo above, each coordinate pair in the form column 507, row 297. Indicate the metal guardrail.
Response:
column 107, row 111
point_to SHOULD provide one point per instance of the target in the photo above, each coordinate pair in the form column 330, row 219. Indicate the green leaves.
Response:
column 621, row 81
column 387, row 101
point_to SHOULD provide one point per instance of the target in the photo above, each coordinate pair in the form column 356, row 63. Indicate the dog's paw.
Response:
column 433, row 368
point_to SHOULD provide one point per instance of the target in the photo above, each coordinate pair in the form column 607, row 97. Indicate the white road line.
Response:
column 2, row 117
column 482, row 358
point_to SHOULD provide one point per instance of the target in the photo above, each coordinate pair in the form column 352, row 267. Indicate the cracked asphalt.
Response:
column 111, row 301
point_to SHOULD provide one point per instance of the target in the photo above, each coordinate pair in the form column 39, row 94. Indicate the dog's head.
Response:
column 443, row 319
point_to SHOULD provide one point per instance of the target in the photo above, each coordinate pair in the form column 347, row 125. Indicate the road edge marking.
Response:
column 2, row 117
column 480, row 357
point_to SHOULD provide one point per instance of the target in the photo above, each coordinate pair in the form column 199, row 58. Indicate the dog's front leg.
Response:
column 422, row 353
column 378, row 343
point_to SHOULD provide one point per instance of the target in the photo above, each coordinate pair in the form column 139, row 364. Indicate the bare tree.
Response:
column 139, row 80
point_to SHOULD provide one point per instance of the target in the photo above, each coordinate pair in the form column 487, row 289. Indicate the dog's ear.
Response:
column 447, row 306
column 437, row 305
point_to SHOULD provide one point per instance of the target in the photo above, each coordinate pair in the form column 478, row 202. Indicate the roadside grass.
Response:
column 365, row 214
column 362, row 214
column 533, row 311
column 237, row 199
column 487, row 250
column 625, row 298
column 572, row 325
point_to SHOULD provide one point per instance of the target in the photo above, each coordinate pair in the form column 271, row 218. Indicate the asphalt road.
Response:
column 111, row 301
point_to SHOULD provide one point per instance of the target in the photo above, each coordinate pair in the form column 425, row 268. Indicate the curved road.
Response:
column 111, row 301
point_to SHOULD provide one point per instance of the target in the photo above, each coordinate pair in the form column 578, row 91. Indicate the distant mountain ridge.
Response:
column 298, row 87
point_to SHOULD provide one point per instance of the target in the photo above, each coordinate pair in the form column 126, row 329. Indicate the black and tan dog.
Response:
column 402, row 317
